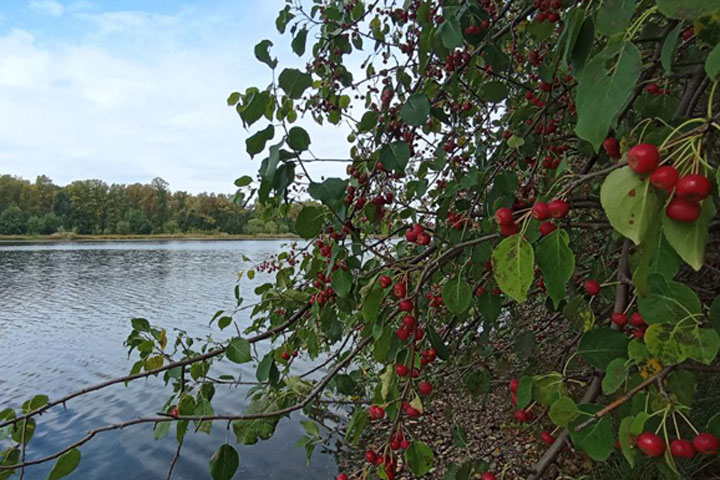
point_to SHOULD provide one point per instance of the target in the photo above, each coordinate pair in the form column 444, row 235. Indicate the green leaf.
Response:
column 598, row 439
column 310, row 221
column 254, row 107
column 65, row 465
column 419, row 458
column 395, row 155
column 513, row 261
column 603, row 92
column 668, row 302
column 298, row 139
column 331, row 192
column 615, row 376
column 243, row 181
column 451, row 33
column 256, row 143
column 630, row 203
column 477, row 382
column 563, row 411
column 457, row 294
column 614, row 16
column 673, row 344
column 493, row 92
column 162, row 429
column 687, row 9
column 238, row 350
column 341, row 282
column 356, row 426
column 583, row 46
column 294, row 82
column 298, row 43
column 490, row 306
column 262, row 53
column 416, row 110
column 573, row 22
column 264, row 368
column 224, row 463
column 203, row 408
column 713, row 425
column 524, row 391
column 689, row 239
column 668, row 48
column 371, row 304
column 653, row 255
column 547, row 388
column 140, row 324
column 438, row 344
column 248, row 432
column 368, row 121
column 601, row 346
column 556, row 262
column 233, row 99
column 712, row 64
column 626, row 446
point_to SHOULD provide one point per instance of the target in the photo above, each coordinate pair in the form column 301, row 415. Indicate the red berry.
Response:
column 425, row 388
column 546, row 228
column 411, row 235
column 423, row 239
column 653, row 88
column 405, row 306
column 682, row 448
column 285, row 356
column 513, row 398
column 620, row 319
column 403, row 334
column 682, row 210
column 643, row 158
column 547, row 437
column 592, row 287
column 419, row 334
column 405, row 444
column 370, row 456
column 558, row 208
column 342, row 476
column 514, row 383
column 488, row 476
column 409, row 322
column 402, row 370
column 521, row 416
column 174, row 411
column 651, row 444
column 507, row 230
column 412, row 412
column 664, row 177
column 504, row 216
column 693, row 188
column 385, row 281
column 611, row 147
column 637, row 320
column 706, row 443
column 399, row 290
column 540, row 211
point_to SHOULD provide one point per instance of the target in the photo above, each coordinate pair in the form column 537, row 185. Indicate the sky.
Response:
column 128, row 90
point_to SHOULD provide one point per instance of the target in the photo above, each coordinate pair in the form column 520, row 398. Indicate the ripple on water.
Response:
column 64, row 314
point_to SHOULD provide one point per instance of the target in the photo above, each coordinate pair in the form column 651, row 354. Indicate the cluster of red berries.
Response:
column 653, row 445
column 654, row 89
column 376, row 412
column 688, row 190
column 548, row 10
column 555, row 209
column 636, row 320
column 477, row 29
column 286, row 355
column 457, row 221
column 416, row 234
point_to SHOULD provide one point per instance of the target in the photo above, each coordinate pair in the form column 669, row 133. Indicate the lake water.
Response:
column 64, row 314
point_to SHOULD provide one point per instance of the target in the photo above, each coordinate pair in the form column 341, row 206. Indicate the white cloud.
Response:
column 136, row 98
column 47, row 7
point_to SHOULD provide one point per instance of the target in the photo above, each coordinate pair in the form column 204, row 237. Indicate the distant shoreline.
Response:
column 72, row 237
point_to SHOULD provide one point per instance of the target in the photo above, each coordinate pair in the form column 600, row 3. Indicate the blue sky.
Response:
column 125, row 91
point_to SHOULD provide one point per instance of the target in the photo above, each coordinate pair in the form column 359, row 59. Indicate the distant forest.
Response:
column 93, row 207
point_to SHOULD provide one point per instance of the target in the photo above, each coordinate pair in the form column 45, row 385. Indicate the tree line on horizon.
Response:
column 92, row 207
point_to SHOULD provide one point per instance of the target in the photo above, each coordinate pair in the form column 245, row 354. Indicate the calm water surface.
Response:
column 64, row 314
